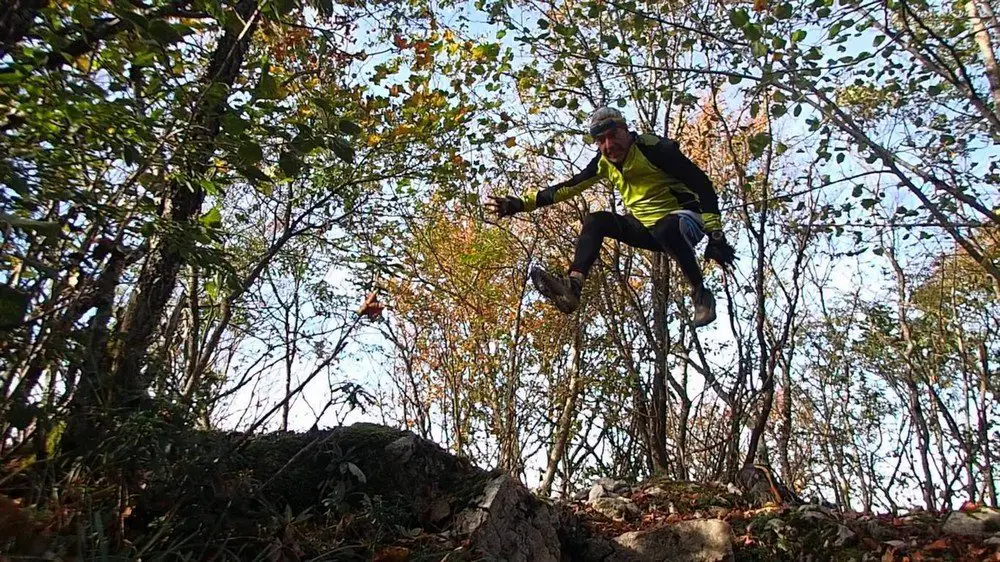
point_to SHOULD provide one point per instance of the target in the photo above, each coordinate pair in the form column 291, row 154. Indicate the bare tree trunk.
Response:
column 658, row 404
column 986, row 50
column 984, row 424
column 785, row 429
column 913, row 393
column 765, row 372
column 566, row 418
column 181, row 203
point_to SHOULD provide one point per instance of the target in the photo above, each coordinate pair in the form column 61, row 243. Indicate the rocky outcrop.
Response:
column 706, row 540
column 376, row 493
column 977, row 522
column 506, row 520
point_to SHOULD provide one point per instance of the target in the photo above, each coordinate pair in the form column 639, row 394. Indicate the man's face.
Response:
column 614, row 143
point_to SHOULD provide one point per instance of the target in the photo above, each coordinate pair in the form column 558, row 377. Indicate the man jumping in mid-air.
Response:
column 671, row 201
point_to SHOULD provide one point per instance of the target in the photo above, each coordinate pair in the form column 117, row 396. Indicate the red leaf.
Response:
column 371, row 307
column 940, row 544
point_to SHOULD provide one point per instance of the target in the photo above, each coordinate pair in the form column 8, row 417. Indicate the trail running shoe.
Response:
column 562, row 291
column 704, row 308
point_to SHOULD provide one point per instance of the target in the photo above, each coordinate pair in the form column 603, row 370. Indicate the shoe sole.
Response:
column 562, row 302
column 705, row 322
column 711, row 318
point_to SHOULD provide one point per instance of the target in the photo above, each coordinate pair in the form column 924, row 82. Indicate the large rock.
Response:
column 507, row 522
column 977, row 522
column 616, row 508
column 709, row 540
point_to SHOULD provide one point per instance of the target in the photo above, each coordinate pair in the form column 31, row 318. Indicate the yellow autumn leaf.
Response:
column 510, row 142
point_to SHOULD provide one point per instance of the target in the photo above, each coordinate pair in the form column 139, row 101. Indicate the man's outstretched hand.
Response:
column 505, row 206
column 719, row 250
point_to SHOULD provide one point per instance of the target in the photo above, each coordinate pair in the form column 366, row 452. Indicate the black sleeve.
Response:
column 667, row 156
column 566, row 189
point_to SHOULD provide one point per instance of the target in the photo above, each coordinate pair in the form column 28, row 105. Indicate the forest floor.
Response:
column 369, row 492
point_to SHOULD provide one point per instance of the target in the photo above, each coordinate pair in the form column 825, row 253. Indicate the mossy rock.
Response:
column 226, row 484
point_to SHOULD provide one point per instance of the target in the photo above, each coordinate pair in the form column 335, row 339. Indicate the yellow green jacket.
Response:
column 655, row 180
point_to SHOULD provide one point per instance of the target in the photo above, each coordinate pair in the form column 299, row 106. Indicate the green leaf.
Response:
column 867, row 203
column 144, row 58
column 798, row 36
column 250, row 153
column 267, row 87
column 255, row 175
column 840, row 157
column 739, row 17
column 212, row 219
column 132, row 156
column 857, row 191
column 11, row 77
column 349, row 127
column 13, row 307
column 284, row 7
column 735, row 79
column 342, row 149
column 759, row 143
column 783, row 11
column 559, row 103
column 164, row 33
column 138, row 21
column 290, row 164
column 758, row 49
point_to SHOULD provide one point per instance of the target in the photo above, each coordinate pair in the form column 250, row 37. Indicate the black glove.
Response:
column 505, row 206
column 719, row 250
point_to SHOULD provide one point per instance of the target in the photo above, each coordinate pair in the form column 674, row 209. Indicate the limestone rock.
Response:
column 596, row 492
column 618, row 509
column 657, row 492
column 401, row 449
column 979, row 522
column 709, row 540
column 507, row 522
column 614, row 486
column 606, row 487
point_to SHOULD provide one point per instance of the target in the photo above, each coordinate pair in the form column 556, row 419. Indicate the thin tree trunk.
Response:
column 916, row 409
column 984, row 424
column 567, row 417
column 986, row 50
column 658, row 405
column 785, row 429
column 766, row 374
column 181, row 203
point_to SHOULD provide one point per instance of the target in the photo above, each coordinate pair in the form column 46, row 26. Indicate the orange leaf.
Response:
column 392, row 554
column 371, row 307
column 940, row 544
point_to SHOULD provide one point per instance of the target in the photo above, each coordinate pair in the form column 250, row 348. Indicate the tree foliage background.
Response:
column 196, row 196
